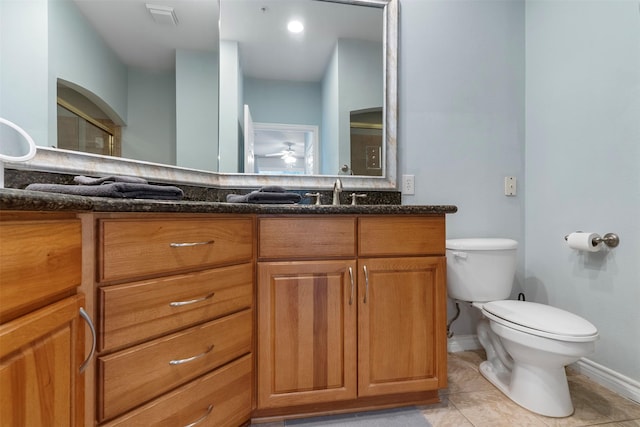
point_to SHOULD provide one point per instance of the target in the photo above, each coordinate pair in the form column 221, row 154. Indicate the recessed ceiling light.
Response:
column 295, row 26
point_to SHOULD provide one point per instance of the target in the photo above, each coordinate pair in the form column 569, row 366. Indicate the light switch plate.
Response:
column 408, row 184
column 510, row 186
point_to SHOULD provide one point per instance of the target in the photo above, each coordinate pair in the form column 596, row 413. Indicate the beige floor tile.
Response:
column 463, row 375
column 630, row 423
column 471, row 401
column 444, row 415
column 594, row 404
column 491, row 408
column 615, row 406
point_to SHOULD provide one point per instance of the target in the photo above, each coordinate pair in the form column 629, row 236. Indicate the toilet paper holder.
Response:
column 610, row 239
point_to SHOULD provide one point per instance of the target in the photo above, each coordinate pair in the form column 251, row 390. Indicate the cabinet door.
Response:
column 401, row 325
column 40, row 354
column 306, row 332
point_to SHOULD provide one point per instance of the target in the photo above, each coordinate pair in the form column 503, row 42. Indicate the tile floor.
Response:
column 471, row 401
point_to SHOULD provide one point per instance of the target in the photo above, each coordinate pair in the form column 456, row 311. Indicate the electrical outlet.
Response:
column 408, row 184
column 509, row 185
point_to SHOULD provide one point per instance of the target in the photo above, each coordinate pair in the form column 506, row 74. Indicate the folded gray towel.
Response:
column 85, row 180
column 265, row 197
column 272, row 189
column 126, row 190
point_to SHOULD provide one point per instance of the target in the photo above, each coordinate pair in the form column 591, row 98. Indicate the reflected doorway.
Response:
column 366, row 142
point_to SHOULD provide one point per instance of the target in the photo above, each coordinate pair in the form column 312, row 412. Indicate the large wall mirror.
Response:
column 241, row 102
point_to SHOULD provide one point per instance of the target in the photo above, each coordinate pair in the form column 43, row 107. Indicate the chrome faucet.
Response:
column 337, row 189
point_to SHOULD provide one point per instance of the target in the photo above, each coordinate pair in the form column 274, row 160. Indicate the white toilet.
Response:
column 527, row 344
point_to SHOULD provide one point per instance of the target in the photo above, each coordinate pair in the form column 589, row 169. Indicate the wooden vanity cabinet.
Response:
column 174, row 298
column 306, row 310
column 41, row 333
column 359, row 325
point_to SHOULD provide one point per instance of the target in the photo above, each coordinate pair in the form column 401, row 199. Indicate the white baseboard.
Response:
column 609, row 378
column 463, row 343
column 602, row 375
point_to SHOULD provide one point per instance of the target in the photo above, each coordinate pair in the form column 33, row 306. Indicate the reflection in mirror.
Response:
column 94, row 47
column 284, row 149
column 315, row 77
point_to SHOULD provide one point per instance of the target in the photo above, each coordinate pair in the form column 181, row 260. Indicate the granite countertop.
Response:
column 13, row 199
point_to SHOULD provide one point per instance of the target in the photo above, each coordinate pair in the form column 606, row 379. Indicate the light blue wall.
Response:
column 329, row 134
column 583, row 166
column 231, row 107
column 461, row 115
column 197, row 110
column 286, row 102
column 151, row 131
column 360, row 69
column 24, row 56
column 547, row 91
column 80, row 56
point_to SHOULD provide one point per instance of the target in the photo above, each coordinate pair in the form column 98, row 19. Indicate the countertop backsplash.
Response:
column 19, row 179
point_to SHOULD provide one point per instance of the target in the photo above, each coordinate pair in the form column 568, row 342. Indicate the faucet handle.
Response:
column 312, row 195
column 354, row 198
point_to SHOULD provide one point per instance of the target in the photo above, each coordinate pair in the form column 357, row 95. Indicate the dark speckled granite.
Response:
column 196, row 200
column 19, row 179
column 12, row 199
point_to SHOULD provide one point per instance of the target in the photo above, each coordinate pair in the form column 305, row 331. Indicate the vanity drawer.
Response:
column 134, row 312
column 401, row 235
column 307, row 237
column 140, row 248
column 136, row 375
column 227, row 391
column 43, row 255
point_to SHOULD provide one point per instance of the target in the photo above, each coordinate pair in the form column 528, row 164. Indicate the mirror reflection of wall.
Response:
column 162, row 121
column 313, row 78
column 168, row 111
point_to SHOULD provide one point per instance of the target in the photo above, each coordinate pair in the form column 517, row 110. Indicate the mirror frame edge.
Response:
column 64, row 161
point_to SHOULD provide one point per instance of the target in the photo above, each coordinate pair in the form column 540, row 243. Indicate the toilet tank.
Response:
column 480, row 270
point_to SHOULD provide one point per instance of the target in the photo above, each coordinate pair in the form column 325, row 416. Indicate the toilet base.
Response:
column 544, row 391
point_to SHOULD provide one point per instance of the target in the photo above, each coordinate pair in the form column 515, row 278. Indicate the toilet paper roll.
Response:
column 584, row 241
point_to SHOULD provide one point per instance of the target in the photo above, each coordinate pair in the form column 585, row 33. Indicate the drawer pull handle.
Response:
column 87, row 319
column 351, row 277
column 190, row 359
column 202, row 418
column 185, row 245
column 193, row 301
column 366, row 283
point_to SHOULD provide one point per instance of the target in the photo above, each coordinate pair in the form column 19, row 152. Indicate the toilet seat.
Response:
column 540, row 320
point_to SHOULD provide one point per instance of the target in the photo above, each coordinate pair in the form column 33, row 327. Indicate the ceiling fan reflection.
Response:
column 288, row 155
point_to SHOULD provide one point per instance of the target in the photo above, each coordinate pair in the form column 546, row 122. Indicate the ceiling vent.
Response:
column 163, row 15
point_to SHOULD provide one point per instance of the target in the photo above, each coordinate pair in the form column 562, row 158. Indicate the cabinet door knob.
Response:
column 87, row 319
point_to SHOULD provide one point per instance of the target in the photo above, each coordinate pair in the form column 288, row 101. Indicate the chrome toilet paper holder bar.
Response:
column 610, row 239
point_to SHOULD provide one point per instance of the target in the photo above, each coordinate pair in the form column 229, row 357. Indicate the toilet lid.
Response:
column 540, row 319
column 481, row 244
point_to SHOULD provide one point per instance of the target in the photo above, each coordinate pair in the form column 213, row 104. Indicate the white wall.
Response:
column 583, row 166
column 461, row 115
